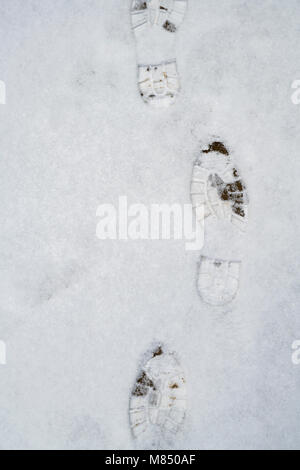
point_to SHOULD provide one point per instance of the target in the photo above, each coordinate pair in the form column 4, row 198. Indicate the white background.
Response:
column 77, row 314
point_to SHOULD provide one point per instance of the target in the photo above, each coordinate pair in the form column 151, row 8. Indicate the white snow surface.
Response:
column 77, row 314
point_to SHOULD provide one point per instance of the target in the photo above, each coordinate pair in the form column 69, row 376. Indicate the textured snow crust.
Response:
column 77, row 313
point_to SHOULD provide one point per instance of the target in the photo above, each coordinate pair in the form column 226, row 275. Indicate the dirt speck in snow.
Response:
column 216, row 147
column 157, row 352
column 143, row 383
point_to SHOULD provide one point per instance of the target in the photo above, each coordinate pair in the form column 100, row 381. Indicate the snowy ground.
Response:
column 77, row 314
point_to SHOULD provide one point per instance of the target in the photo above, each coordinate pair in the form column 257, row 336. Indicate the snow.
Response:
column 76, row 313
